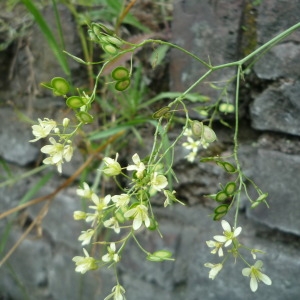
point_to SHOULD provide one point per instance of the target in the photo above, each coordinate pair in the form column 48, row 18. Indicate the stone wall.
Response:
column 224, row 30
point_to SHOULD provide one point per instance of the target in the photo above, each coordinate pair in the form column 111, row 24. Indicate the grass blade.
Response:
column 55, row 47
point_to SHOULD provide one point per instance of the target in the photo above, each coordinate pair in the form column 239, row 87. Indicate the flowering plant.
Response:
column 129, row 210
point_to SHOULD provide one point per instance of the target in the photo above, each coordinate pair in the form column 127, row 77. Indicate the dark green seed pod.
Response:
column 162, row 112
column 221, row 196
column 230, row 188
column 228, row 167
column 122, row 85
column 221, row 209
column 60, row 86
column 218, row 217
column 84, row 117
column 120, row 73
column 75, row 102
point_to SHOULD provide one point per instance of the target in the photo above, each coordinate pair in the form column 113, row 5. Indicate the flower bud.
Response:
column 66, row 122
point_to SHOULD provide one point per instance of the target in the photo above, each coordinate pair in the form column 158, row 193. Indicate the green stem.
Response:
column 236, row 144
column 140, row 246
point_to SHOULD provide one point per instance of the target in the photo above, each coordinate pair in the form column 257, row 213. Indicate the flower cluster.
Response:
column 129, row 210
column 191, row 144
column 198, row 135
column 229, row 238
column 58, row 151
column 133, row 204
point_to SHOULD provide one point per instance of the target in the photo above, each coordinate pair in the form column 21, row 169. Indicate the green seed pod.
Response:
column 122, row 85
column 226, row 108
column 75, row 102
column 218, row 217
column 208, row 134
column 115, row 41
column 221, row 196
column 102, row 29
column 162, row 112
column 221, row 209
column 230, row 188
column 259, row 200
column 84, row 117
column 160, row 255
column 226, row 166
column 262, row 197
column 197, row 128
column 110, row 49
column 120, row 73
column 92, row 35
column 96, row 29
column 120, row 216
column 60, row 86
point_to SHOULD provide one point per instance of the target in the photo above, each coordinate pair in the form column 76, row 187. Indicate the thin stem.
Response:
column 236, row 144
column 270, row 43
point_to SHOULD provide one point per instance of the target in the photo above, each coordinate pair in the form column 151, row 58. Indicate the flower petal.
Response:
column 220, row 238
column 226, row 226
column 246, row 271
column 237, row 231
column 137, row 223
column 265, row 279
column 253, row 284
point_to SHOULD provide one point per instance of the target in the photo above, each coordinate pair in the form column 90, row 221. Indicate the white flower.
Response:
column 121, row 200
column 43, row 129
column 49, row 161
column 191, row 156
column 57, row 152
column 68, row 152
column 112, row 168
column 191, row 144
column 158, row 181
column 188, row 132
column 204, row 143
column 215, row 269
column 112, row 223
column 170, row 198
column 86, row 236
column 138, row 166
column 86, row 192
column 117, row 293
column 99, row 207
column 218, row 247
column 256, row 275
column 92, row 217
column 100, row 203
column 111, row 255
column 229, row 235
column 140, row 215
column 84, row 264
column 254, row 251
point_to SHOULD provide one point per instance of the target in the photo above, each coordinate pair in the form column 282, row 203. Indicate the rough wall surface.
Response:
column 270, row 154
